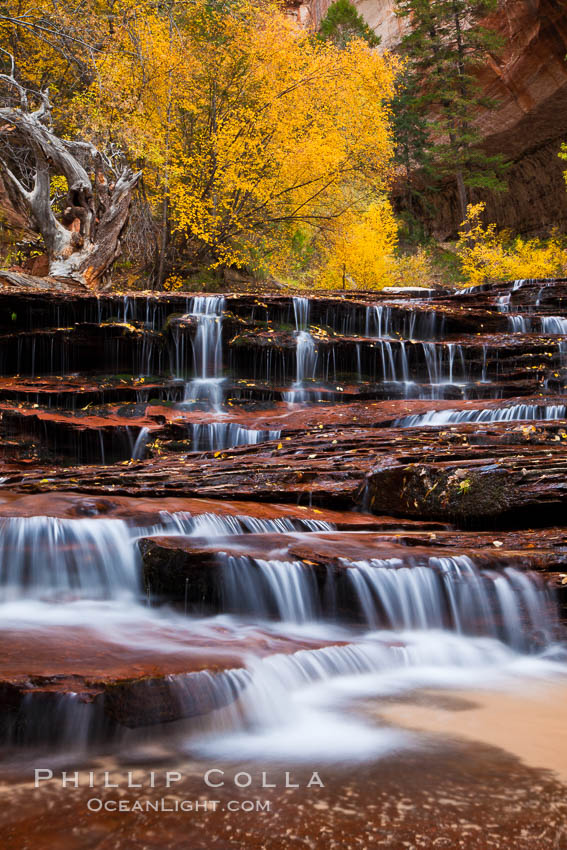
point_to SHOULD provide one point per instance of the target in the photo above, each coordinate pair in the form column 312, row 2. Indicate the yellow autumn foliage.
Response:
column 251, row 128
column 253, row 136
column 359, row 249
column 487, row 255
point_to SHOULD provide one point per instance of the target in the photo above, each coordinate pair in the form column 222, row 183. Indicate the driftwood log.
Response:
column 85, row 242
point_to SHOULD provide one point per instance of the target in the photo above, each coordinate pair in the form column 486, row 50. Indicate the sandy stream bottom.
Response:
column 530, row 723
column 487, row 772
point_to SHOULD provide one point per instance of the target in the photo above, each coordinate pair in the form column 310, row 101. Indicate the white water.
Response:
column 260, row 587
column 305, row 356
column 215, row 436
column 207, row 350
column 434, row 622
column 447, row 624
column 493, row 414
column 519, row 324
column 554, row 325
column 142, row 440
column 547, row 324
column 45, row 557
column 424, row 369
column 383, row 321
column 432, row 593
column 293, row 707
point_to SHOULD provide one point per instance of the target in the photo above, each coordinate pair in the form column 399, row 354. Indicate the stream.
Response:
column 316, row 542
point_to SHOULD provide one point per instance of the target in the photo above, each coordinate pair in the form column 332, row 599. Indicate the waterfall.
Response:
column 140, row 445
column 305, row 355
column 214, row 436
column 378, row 321
column 207, row 350
column 289, row 706
column 286, row 589
column 490, row 414
column 441, row 361
column 553, row 325
column 440, row 593
column 301, row 311
column 519, row 324
column 211, row 526
column 383, row 321
column 451, row 593
column 45, row 557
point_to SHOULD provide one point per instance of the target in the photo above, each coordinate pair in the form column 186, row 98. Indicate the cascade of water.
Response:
column 139, row 448
column 377, row 321
column 126, row 306
column 383, row 321
column 503, row 302
column 45, row 557
column 288, row 706
column 389, row 372
column 42, row 557
column 285, row 588
column 451, row 593
column 519, row 324
column 540, row 294
column 146, row 355
column 212, row 525
column 492, row 414
column 305, row 354
column 214, row 436
column 440, row 362
column 441, row 593
column 553, row 325
column 207, row 350
column 301, row 310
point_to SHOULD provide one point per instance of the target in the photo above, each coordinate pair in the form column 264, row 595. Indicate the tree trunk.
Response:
column 86, row 242
column 462, row 194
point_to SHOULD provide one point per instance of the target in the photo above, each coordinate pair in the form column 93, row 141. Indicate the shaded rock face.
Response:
column 528, row 82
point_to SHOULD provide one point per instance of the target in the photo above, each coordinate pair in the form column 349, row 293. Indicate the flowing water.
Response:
column 387, row 623
column 207, row 381
column 226, row 435
column 491, row 414
column 306, row 355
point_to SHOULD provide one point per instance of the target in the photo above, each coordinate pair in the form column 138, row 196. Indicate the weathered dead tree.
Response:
column 85, row 242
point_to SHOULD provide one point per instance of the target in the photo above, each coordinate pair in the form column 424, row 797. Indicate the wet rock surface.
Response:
column 204, row 496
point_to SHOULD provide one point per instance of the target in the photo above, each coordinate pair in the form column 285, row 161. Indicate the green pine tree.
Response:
column 411, row 135
column 444, row 45
column 342, row 23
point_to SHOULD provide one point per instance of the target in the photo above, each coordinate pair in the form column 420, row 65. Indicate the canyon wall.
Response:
column 528, row 82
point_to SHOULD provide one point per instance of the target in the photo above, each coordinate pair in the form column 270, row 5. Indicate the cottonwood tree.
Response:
column 83, row 242
column 257, row 134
